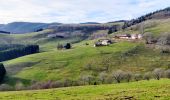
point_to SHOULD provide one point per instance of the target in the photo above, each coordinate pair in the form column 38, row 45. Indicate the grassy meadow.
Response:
column 142, row 90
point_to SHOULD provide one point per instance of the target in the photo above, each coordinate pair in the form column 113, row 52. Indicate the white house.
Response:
column 103, row 42
column 136, row 36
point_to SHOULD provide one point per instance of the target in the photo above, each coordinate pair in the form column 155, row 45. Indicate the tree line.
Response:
column 146, row 17
column 118, row 76
column 18, row 52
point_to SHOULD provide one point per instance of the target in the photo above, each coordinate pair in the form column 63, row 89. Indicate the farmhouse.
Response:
column 129, row 36
column 103, row 42
column 136, row 36
column 123, row 36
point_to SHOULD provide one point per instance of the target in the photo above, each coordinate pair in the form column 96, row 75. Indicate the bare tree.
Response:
column 149, row 37
column 106, row 63
column 118, row 75
column 128, row 76
column 102, row 77
column 141, row 28
column 87, row 78
column 59, row 46
column 19, row 86
column 158, row 73
column 167, row 73
column 164, row 43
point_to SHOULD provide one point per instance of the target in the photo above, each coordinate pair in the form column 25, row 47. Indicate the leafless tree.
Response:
column 118, row 75
column 87, row 78
column 158, row 73
column 167, row 73
column 149, row 37
column 102, row 77
column 128, row 76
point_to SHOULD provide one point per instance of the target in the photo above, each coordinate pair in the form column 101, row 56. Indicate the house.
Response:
column 123, row 36
column 129, row 36
column 136, row 36
column 103, row 42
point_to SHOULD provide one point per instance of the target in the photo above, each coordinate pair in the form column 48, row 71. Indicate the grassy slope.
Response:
column 142, row 90
column 56, row 65
column 70, row 64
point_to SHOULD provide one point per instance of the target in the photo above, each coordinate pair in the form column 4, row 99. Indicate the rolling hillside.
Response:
column 68, row 64
column 84, row 60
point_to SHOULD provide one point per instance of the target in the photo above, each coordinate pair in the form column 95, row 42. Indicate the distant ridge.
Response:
column 90, row 23
column 22, row 27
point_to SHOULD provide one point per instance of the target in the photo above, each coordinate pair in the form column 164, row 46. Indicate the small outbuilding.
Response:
column 103, row 42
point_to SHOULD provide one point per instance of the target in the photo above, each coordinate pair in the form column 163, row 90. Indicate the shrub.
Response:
column 67, row 82
column 5, row 87
column 164, row 43
column 87, row 79
column 2, row 72
column 167, row 73
column 56, row 84
column 67, row 46
column 158, row 73
column 137, row 77
column 147, row 76
column 149, row 38
column 19, row 86
column 59, row 46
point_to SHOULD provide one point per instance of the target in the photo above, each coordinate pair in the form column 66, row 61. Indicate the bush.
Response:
column 19, row 86
column 67, row 46
column 59, row 46
column 56, row 84
column 149, row 38
column 158, row 73
column 167, row 73
column 5, row 87
column 2, row 72
column 147, row 76
column 137, row 77
column 87, row 79
column 164, row 43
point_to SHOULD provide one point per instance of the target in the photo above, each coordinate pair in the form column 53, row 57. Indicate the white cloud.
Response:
column 75, row 11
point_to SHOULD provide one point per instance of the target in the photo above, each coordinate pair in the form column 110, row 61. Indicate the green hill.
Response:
column 53, row 64
column 142, row 90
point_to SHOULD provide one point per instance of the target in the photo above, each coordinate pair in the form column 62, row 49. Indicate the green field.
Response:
column 142, row 90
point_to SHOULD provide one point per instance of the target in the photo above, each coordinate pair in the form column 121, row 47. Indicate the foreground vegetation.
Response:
column 142, row 90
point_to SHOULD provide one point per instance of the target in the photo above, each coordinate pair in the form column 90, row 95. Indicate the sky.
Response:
column 76, row 11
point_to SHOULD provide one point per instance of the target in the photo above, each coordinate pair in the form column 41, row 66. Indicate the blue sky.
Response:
column 76, row 11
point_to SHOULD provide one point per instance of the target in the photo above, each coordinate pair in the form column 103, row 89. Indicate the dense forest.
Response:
column 12, row 51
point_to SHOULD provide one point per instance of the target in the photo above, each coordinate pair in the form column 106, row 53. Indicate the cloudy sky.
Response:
column 76, row 11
